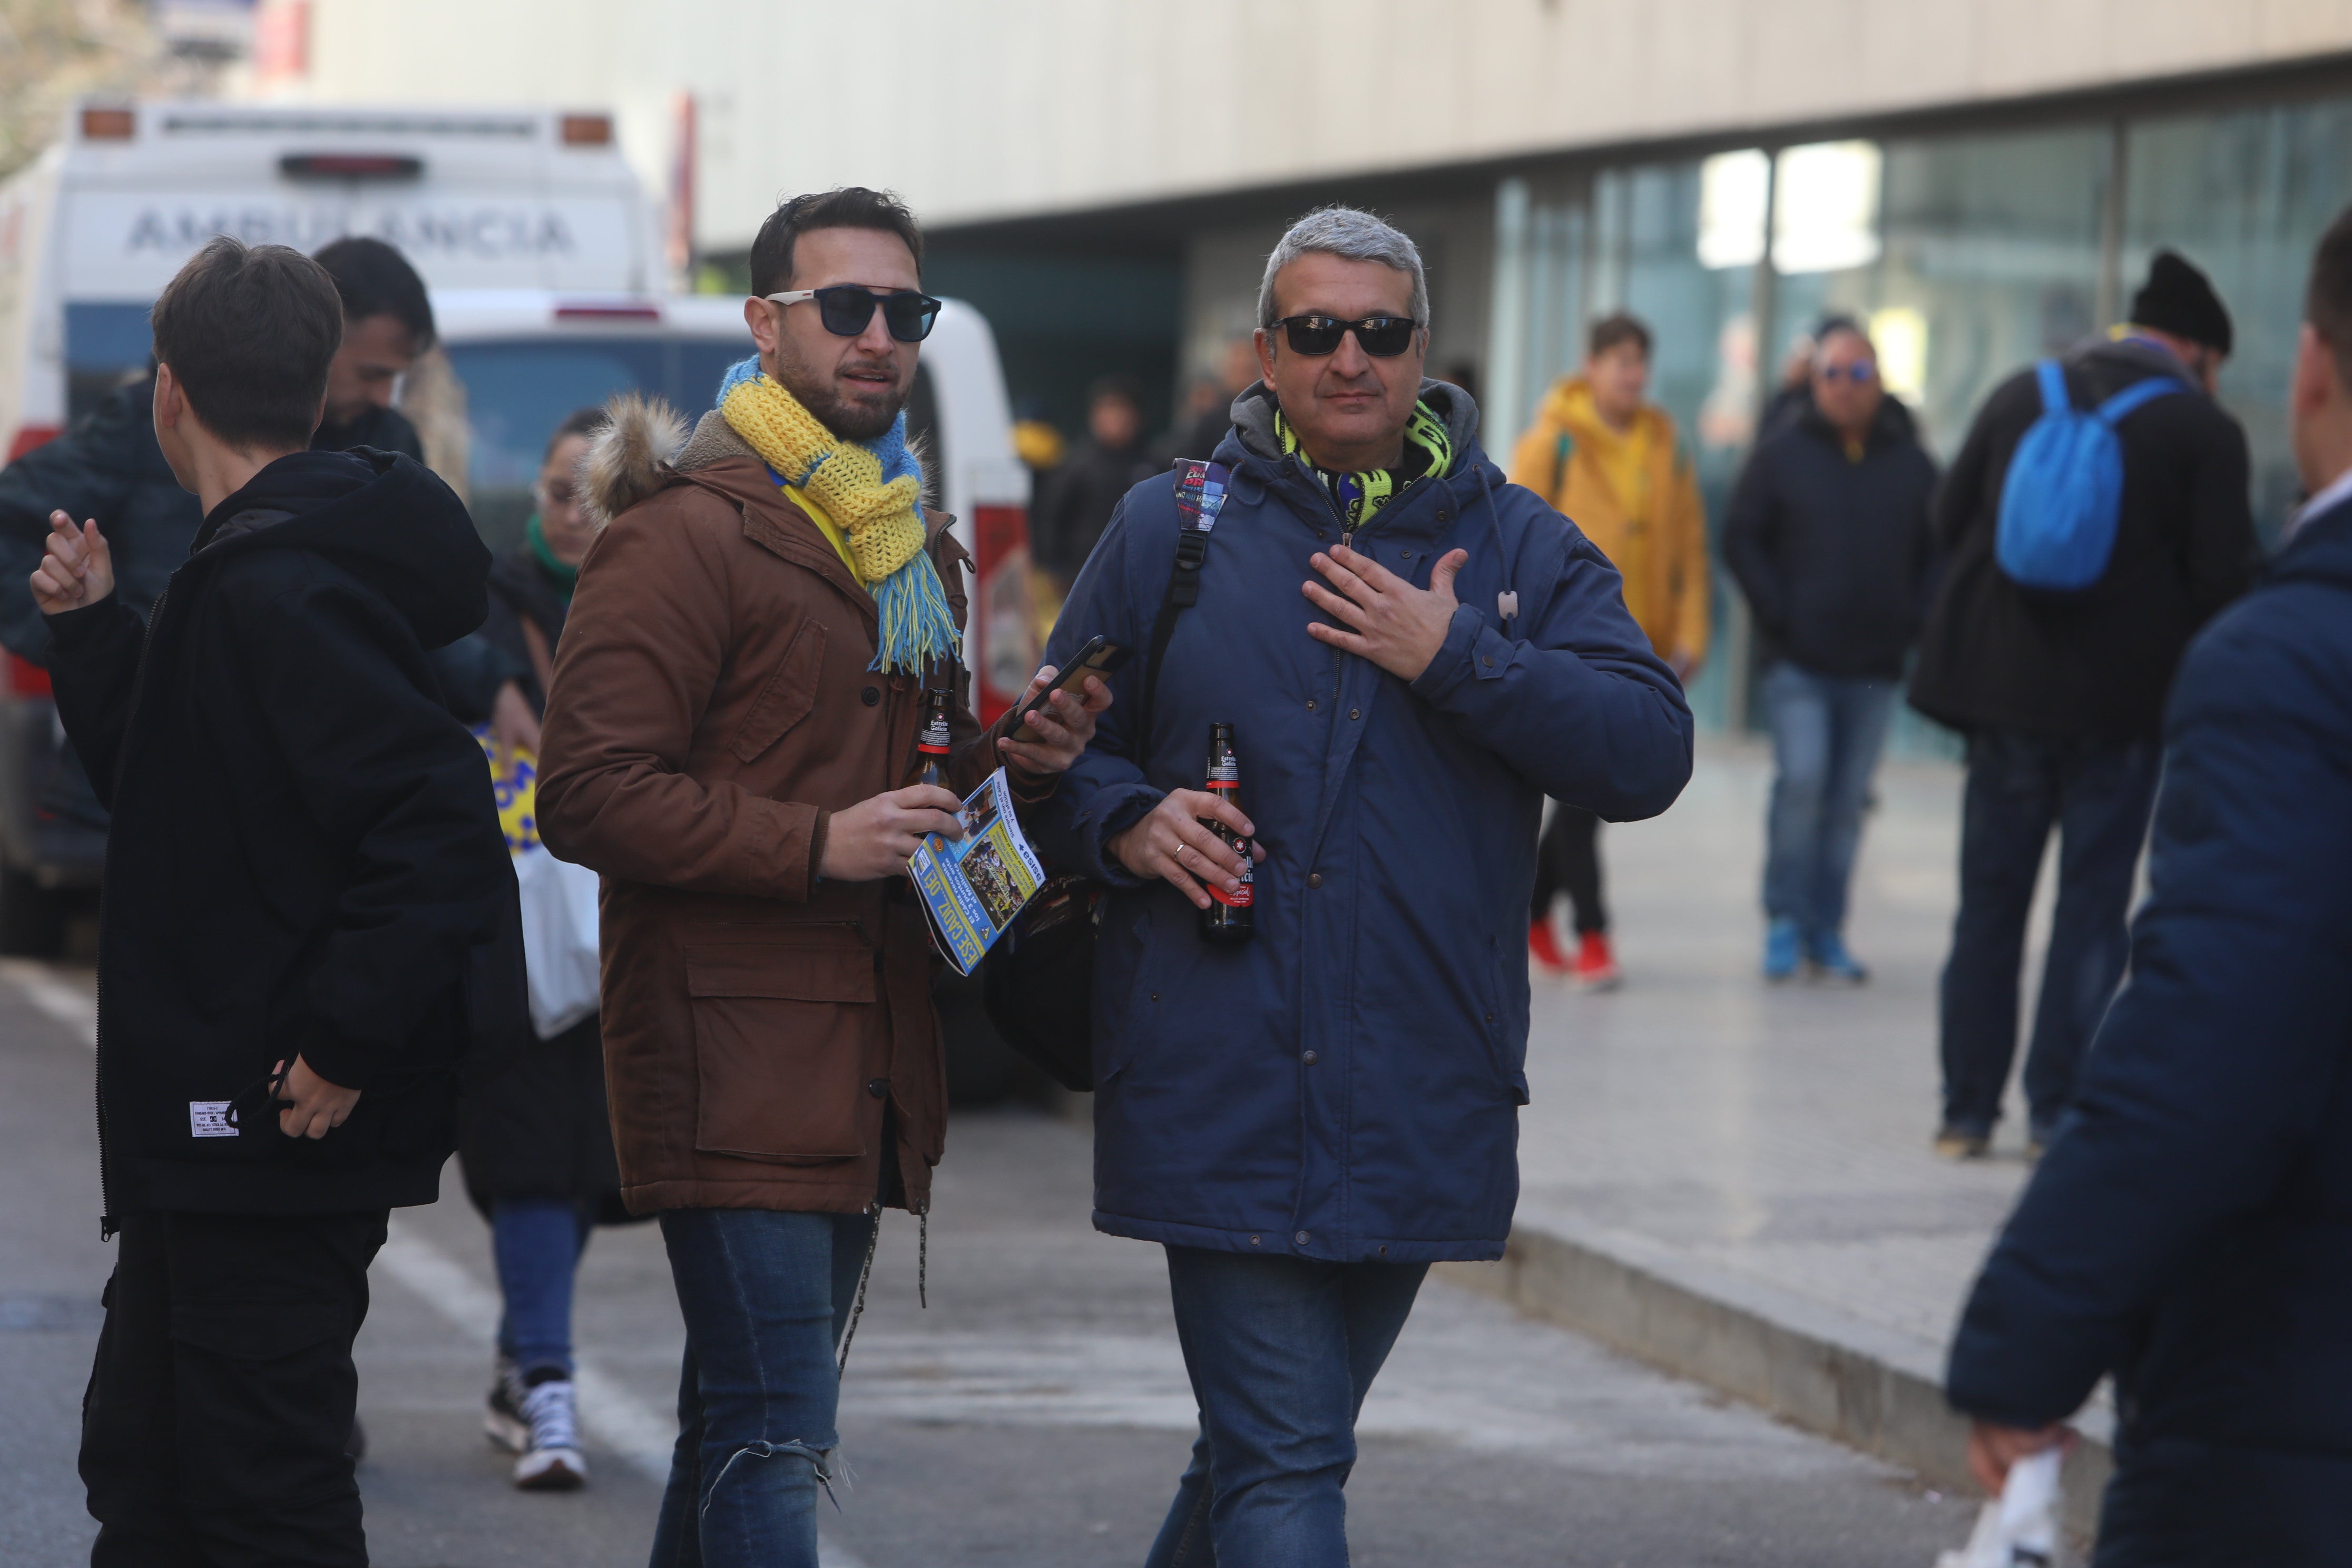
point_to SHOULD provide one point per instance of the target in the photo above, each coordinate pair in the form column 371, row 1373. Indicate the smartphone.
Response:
column 1100, row 656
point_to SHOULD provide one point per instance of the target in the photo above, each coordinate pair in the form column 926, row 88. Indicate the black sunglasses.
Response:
column 1382, row 337
column 845, row 308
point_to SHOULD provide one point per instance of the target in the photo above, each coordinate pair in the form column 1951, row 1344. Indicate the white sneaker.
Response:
column 550, row 1458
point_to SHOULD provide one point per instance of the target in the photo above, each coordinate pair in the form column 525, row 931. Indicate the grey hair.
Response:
column 1355, row 235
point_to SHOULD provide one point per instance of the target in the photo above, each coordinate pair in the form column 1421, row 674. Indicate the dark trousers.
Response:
column 2098, row 793
column 1568, row 860
column 213, row 1431
column 1281, row 1352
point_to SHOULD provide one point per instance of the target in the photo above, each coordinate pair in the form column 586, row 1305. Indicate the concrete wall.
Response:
column 988, row 108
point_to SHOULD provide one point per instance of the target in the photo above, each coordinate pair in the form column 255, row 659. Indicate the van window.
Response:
column 106, row 344
column 518, row 392
column 923, row 427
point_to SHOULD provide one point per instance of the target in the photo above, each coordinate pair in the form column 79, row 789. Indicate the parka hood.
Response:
column 1254, row 412
column 646, row 446
column 1570, row 405
column 386, row 518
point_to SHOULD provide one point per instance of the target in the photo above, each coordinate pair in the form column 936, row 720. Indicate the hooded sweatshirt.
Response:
column 305, row 858
column 1634, row 494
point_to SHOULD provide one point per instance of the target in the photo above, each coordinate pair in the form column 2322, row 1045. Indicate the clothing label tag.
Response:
column 210, row 1119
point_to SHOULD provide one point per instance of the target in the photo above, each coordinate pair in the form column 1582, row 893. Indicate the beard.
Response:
column 861, row 416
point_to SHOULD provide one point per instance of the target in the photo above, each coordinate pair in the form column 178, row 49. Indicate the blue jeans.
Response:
column 537, row 1243
column 765, row 1297
column 1281, row 1352
column 2098, row 794
column 1827, row 732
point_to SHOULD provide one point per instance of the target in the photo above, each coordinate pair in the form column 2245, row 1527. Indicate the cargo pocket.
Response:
column 787, row 698
column 259, row 1330
column 780, row 1034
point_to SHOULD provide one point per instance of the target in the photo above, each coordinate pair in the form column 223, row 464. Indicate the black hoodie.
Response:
column 306, row 856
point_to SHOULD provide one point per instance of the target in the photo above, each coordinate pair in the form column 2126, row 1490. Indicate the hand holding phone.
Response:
column 1100, row 656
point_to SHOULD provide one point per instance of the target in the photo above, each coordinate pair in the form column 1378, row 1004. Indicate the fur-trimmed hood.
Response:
column 646, row 447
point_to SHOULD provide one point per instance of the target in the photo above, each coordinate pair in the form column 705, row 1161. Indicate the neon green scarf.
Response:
column 1428, row 452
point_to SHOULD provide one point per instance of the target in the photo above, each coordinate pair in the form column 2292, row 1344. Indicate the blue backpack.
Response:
column 2065, row 486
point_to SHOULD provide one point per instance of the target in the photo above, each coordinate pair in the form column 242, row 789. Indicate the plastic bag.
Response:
column 559, row 939
column 2018, row 1529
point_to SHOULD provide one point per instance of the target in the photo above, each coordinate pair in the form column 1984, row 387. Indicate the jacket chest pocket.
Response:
column 781, row 1038
column 787, row 698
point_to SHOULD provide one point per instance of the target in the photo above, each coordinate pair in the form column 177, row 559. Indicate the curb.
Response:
column 1778, row 1352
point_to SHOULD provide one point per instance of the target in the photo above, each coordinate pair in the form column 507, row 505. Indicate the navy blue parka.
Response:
column 1345, row 1086
column 2191, row 1229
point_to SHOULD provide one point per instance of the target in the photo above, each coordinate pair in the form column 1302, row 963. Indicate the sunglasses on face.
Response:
column 1860, row 372
column 1382, row 337
column 845, row 308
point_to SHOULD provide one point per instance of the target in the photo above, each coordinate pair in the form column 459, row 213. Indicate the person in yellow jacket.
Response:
column 1610, row 462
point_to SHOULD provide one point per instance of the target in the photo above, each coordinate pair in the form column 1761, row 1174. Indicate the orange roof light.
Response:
column 587, row 129
column 107, row 124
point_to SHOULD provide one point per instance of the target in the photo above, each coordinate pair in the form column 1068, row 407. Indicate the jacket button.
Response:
column 1311, row 1059
column 1310, row 705
column 1314, row 879
column 877, row 1087
column 1487, row 659
column 1302, row 1238
column 873, row 695
column 1155, row 996
column 1355, row 713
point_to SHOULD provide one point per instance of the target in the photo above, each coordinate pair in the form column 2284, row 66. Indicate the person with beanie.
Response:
column 2061, row 695
column 1610, row 461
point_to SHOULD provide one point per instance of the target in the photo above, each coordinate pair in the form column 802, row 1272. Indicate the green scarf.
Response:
column 1428, row 453
column 566, row 577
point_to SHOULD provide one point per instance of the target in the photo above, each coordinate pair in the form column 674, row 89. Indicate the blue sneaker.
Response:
column 1782, row 948
column 1830, row 961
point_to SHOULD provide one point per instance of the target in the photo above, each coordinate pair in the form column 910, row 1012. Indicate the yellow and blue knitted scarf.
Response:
column 1428, row 452
column 873, row 495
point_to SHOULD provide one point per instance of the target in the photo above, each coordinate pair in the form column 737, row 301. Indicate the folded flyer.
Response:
column 973, row 887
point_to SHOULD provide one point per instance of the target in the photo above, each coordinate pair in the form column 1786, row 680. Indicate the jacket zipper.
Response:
column 106, row 1223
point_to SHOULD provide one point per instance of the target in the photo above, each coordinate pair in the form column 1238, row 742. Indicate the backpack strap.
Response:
column 1561, row 451
column 2055, row 399
column 2137, row 393
column 1200, row 488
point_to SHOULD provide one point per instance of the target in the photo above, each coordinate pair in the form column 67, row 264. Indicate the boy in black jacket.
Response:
column 305, row 882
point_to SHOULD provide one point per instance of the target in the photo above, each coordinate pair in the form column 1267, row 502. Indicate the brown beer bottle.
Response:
column 932, row 741
column 1230, row 917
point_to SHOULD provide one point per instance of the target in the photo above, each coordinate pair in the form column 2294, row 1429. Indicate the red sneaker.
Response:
column 1544, row 948
column 1596, row 967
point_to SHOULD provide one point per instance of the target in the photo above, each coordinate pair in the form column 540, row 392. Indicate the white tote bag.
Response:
column 559, row 939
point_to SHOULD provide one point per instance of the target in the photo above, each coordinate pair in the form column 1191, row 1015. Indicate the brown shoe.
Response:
column 1958, row 1144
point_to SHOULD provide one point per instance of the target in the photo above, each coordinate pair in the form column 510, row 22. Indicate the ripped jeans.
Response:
column 765, row 1296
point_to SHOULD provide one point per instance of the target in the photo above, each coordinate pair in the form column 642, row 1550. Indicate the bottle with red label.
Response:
column 932, row 741
column 1230, row 917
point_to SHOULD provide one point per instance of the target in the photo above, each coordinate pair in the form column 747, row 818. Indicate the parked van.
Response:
column 542, row 257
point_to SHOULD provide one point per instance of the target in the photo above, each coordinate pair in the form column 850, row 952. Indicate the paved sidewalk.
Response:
column 1733, row 1179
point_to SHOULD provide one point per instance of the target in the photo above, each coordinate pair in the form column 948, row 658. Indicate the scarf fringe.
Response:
column 873, row 492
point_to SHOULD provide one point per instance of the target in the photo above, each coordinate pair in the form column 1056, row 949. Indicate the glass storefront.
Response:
column 1969, row 255
column 2245, row 196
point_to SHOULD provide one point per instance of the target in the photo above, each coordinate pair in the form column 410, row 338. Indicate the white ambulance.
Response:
column 546, row 268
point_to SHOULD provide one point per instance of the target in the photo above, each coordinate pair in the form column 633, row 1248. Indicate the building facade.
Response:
column 1982, row 180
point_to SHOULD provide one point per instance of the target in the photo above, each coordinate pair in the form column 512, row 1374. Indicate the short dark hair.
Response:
column 1618, row 327
column 374, row 280
column 2327, row 300
column 850, row 206
column 579, row 422
column 1125, row 388
column 248, row 332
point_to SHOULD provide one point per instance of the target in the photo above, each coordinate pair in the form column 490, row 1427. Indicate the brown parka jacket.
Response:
column 711, row 707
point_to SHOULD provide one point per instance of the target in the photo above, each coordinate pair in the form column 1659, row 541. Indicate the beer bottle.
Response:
column 932, row 739
column 1230, row 917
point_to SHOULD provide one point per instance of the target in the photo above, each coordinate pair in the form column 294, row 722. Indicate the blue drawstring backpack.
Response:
column 2060, row 502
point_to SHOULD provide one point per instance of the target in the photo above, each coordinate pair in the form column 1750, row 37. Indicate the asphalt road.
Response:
column 1036, row 1415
